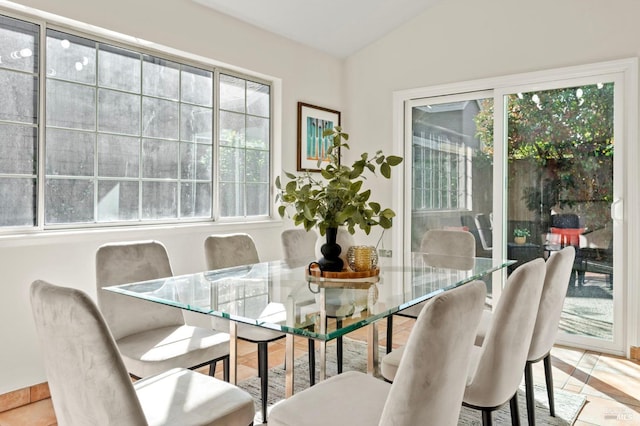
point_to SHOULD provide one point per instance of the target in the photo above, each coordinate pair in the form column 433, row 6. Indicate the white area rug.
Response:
column 568, row 404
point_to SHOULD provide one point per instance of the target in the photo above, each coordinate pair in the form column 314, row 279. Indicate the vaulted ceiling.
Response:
column 338, row 27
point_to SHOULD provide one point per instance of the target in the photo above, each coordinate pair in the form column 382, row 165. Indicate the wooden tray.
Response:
column 344, row 274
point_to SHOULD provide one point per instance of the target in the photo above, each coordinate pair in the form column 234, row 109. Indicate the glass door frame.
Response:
column 625, row 208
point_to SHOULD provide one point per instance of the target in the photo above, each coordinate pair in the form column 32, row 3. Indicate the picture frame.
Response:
column 312, row 121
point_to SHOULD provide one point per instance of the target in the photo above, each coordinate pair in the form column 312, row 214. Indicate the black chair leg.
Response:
column 548, row 376
column 513, row 405
column 212, row 368
column 225, row 371
column 339, row 347
column 389, row 333
column 312, row 362
column 486, row 418
column 528, row 384
column 263, row 371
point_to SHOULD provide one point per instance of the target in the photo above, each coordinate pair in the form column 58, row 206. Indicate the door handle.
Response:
column 617, row 209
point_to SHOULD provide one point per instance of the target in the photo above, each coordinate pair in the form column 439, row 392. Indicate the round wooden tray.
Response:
column 315, row 271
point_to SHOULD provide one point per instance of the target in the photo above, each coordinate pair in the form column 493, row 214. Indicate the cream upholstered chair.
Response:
column 444, row 242
column 151, row 337
column 431, row 376
column 497, row 365
column 225, row 251
column 558, row 273
column 298, row 245
column 89, row 382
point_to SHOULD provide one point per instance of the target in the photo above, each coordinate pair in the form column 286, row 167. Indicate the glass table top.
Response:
column 282, row 295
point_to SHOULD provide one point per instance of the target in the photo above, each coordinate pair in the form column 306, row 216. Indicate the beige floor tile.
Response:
column 39, row 413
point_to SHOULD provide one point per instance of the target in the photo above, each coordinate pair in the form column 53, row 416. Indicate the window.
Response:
column 19, row 83
column 128, row 137
column 244, row 147
column 443, row 145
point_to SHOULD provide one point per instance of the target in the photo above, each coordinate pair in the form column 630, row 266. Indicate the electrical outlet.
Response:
column 384, row 253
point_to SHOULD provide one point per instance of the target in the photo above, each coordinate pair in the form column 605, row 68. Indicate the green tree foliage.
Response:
column 567, row 134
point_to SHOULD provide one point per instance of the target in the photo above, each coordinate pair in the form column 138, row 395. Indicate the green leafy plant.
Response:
column 338, row 198
column 521, row 232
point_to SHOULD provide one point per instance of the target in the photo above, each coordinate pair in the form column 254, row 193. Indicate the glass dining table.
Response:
column 286, row 296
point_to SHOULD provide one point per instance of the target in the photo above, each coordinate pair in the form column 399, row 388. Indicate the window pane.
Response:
column 118, row 112
column 257, row 166
column 19, row 202
column 117, row 200
column 452, row 168
column 231, row 165
column 560, row 189
column 257, row 133
column 197, row 86
column 195, row 200
column 119, row 69
column 19, row 97
column 18, row 151
column 232, row 129
column 68, row 201
column 160, row 78
column 159, row 200
column 258, row 99
column 231, row 199
column 232, row 93
column 71, row 105
column 71, row 58
column 19, row 42
column 118, row 156
column 160, row 118
column 257, row 199
column 160, row 159
column 196, row 124
column 69, row 153
column 195, row 161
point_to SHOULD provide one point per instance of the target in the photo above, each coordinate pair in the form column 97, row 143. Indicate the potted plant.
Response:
column 336, row 197
column 520, row 235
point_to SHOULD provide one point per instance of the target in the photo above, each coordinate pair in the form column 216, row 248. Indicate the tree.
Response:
column 567, row 136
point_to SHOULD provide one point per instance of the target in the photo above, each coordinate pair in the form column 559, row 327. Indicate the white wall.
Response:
column 68, row 259
column 464, row 40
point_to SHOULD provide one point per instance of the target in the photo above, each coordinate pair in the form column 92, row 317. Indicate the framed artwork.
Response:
column 312, row 122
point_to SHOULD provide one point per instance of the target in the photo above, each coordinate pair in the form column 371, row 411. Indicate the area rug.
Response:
column 568, row 405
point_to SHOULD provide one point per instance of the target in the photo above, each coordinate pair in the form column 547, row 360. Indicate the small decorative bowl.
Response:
column 362, row 258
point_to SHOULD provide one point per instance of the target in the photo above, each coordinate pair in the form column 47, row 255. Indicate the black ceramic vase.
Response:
column 330, row 250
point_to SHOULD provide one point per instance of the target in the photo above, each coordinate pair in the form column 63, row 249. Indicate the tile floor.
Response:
column 611, row 384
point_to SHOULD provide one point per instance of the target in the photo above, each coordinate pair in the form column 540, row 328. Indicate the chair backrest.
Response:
column 88, row 381
column 299, row 243
column 122, row 263
column 225, row 251
column 556, row 281
column 448, row 242
column 432, row 374
column 506, row 346
column 565, row 220
column 485, row 230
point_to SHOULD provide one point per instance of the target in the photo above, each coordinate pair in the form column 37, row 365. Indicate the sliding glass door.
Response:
column 560, row 177
column 452, row 169
column 540, row 159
